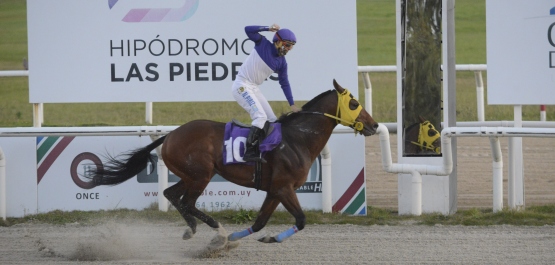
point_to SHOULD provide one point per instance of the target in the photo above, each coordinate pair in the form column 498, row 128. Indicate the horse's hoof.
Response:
column 231, row 245
column 188, row 234
column 267, row 239
column 218, row 242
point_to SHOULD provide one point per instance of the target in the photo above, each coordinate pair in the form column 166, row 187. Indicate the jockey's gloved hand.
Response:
column 274, row 27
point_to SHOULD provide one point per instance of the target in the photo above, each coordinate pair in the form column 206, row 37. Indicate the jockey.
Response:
column 266, row 58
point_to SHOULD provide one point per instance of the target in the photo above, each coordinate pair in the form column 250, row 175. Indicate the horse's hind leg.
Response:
column 193, row 191
column 174, row 194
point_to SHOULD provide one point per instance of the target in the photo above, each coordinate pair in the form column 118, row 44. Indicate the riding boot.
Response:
column 252, row 154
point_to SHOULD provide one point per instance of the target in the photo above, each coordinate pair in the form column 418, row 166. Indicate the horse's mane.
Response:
column 287, row 116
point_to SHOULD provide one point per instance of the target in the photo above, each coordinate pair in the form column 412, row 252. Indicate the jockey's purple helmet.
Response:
column 285, row 35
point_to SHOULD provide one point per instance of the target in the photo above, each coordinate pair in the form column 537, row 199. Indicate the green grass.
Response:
column 376, row 32
column 470, row 30
column 532, row 216
column 13, row 34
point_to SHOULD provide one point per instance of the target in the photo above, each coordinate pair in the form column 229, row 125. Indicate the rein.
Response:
column 343, row 108
column 358, row 126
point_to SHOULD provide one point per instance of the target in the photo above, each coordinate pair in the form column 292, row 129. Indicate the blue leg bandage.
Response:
column 286, row 234
column 240, row 234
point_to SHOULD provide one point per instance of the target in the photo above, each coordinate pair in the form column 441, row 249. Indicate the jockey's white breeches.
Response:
column 253, row 101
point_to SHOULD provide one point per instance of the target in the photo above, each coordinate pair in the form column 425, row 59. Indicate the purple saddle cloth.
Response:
column 235, row 139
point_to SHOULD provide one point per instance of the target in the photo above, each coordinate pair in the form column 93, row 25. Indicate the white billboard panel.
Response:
column 45, row 174
column 21, row 177
column 521, row 52
column 180, row 50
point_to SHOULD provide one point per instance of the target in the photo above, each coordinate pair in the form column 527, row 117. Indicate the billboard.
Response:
column 49, row 170
column 180, row 50
column 521, row 52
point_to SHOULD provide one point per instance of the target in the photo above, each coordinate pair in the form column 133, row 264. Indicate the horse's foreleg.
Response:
column 268, row 207
column 290, row 201
column 280, row 237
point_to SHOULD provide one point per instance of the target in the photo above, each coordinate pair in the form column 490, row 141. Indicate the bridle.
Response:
column 426, row 139
column 350, row 115
column 344, row 115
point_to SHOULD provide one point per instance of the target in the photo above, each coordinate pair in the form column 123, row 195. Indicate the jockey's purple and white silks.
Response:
column 259, row 65
column 251, row 99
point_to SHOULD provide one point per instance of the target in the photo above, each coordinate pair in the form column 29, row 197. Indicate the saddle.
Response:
column 235, row 138
column 235, row 145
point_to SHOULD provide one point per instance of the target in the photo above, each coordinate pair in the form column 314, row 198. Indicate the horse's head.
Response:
column 428, row 137
column 351, row 113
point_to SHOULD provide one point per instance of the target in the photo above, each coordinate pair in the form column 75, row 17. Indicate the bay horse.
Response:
column 193, row 152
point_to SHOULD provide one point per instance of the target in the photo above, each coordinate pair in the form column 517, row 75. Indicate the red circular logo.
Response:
column 79, row 170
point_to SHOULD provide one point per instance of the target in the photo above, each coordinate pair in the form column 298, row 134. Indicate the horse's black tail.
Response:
column 116, row 171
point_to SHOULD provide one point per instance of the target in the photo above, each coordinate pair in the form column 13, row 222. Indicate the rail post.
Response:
column 2, row 184
column 479, row 95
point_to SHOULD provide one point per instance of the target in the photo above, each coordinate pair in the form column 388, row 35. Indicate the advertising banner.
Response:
column 521, row 52
column 180, row 50
column 50, row 170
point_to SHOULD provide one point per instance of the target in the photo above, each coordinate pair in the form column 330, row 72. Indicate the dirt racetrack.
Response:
column 138, row 242
column 146, row 242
